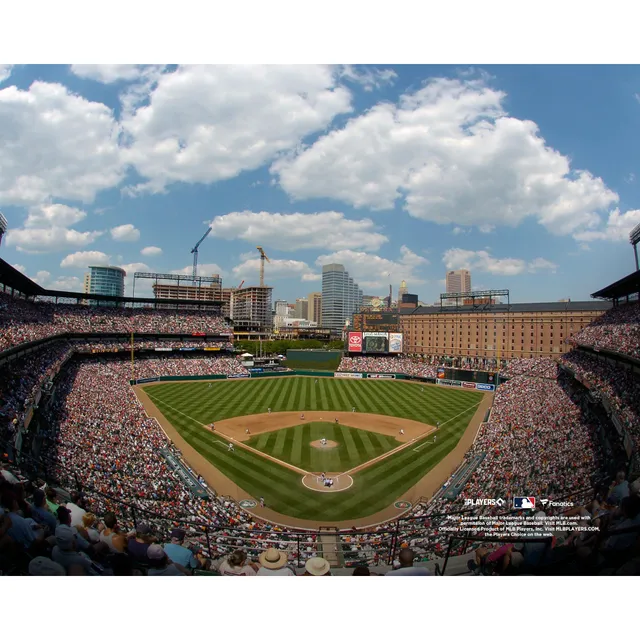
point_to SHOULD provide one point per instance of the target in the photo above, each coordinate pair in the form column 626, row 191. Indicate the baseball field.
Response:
column 277, row 426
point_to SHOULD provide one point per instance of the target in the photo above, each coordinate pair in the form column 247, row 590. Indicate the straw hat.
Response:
column 317, row 566
column 273, row 559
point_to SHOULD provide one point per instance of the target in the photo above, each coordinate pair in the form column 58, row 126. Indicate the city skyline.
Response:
column 121, row 179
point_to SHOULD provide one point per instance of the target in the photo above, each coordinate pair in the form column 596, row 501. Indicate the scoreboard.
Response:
column 373, row 342
column 376, row 321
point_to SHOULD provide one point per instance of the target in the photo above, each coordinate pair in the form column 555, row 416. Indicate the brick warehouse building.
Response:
column 501, row 331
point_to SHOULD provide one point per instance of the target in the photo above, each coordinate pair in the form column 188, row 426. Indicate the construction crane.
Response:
column 195, row 254
column 263, row 257
column 240, row 285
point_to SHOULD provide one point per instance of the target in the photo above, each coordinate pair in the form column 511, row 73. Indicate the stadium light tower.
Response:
column 634, row 239
column 195, row 254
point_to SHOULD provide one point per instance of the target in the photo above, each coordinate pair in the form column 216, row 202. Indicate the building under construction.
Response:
column 252, row 309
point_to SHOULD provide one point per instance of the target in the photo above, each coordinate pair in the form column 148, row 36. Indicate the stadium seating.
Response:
column 22, row 321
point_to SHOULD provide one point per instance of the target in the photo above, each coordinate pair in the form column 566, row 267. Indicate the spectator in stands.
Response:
column 43, row 566
column 619, row 489
column 177, row 552
column 361, row 570
column 138, row 544
column 111, row 534
column 66, row 554
column 22, row 531
column 274, row 563
column 236, row 565
column 160, row 565
column 317, row 566
column 406, row 558
column 41, row 514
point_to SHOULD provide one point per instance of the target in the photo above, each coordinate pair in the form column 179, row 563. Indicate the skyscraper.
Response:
column 107, row 281
column 341, row 296
column 314, row 311
column 458, row 281
column 302, row 308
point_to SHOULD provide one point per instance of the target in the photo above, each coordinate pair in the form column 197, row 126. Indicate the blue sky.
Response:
column 524, row 174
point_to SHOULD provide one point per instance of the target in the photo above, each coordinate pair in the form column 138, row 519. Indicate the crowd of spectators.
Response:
column 177, row 364
column 92, row 346
column 617, row 330
column 24, row 321
column 619, row 386
column 388, row 364
column 537, row 367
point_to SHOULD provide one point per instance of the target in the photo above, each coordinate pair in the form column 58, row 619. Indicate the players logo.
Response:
column 248, row 504
column 402, row 504
column 524, row 502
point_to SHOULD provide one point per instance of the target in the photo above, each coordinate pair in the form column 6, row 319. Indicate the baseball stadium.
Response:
column 140, row 423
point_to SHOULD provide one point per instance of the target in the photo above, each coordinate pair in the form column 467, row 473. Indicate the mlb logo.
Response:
column 524, row 502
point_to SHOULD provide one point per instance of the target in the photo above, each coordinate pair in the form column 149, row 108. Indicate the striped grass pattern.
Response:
column 189, row 405
column 293, row 445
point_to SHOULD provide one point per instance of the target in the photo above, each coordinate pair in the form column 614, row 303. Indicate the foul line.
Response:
column 449, row 420
column 282, row 463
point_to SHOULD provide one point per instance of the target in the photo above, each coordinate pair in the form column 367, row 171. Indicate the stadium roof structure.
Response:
column 11, row 278
column 522, row 307
column 624, row 287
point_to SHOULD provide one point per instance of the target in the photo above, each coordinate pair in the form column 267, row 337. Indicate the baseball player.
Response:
column 316, row 381
column 261, row 501
column 434, row 439
column 336, row 420
column 302, row 416
column 213, row 426
column 246, row 431
column 353, row 410
column 231, row 447
column 401, row 432
column 209, row 385
column 269, row 410
column 438, row 424
column 324, row 441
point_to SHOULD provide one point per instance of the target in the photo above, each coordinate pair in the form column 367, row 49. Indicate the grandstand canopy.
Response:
column 11, row 278
column 624, row 287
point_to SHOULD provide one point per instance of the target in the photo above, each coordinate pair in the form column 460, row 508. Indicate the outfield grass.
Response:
column 293, row 445
column 190, row 405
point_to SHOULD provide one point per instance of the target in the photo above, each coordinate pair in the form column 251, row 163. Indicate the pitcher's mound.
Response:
column 331, row 444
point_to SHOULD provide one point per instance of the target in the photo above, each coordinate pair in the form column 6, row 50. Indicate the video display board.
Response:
column 375, row 342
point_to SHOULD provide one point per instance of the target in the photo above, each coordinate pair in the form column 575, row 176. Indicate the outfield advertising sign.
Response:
column 485, row 387
column 143, row 380
column 381, row 376
column 449, row 383
column 468, row 385
column 345, row 374
column 355, row 342
column 164, row 349
column 238, row 375
column 187, row 348
column 395, row 343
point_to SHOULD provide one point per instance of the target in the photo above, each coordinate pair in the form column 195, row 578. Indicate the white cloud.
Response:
column 46, row 230
column 19, row 267
column 292, row 231
column 66, row 283
column 125, row 233
column 82, row 259
column 5, row 71
column 452, row 154
column 151, row 251
column 108, row 73
column 369, row 78
column 49, row 239
column 249, row 270
column 205, row 123
column 372, row 271
column 617, row 228
column 483, row 262
column 42, row 278
column 456, row 231
column 311, row 277
column 204, row 269
column 56, row 144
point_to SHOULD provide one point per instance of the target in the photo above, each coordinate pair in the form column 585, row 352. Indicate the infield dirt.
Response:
column 235, row 429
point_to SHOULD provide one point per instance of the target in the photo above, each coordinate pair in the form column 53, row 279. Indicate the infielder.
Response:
column 246, row 431
column 401, row 432
column 269, row 410
column 231, row 446
column 302, row 416
column 353, row 410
